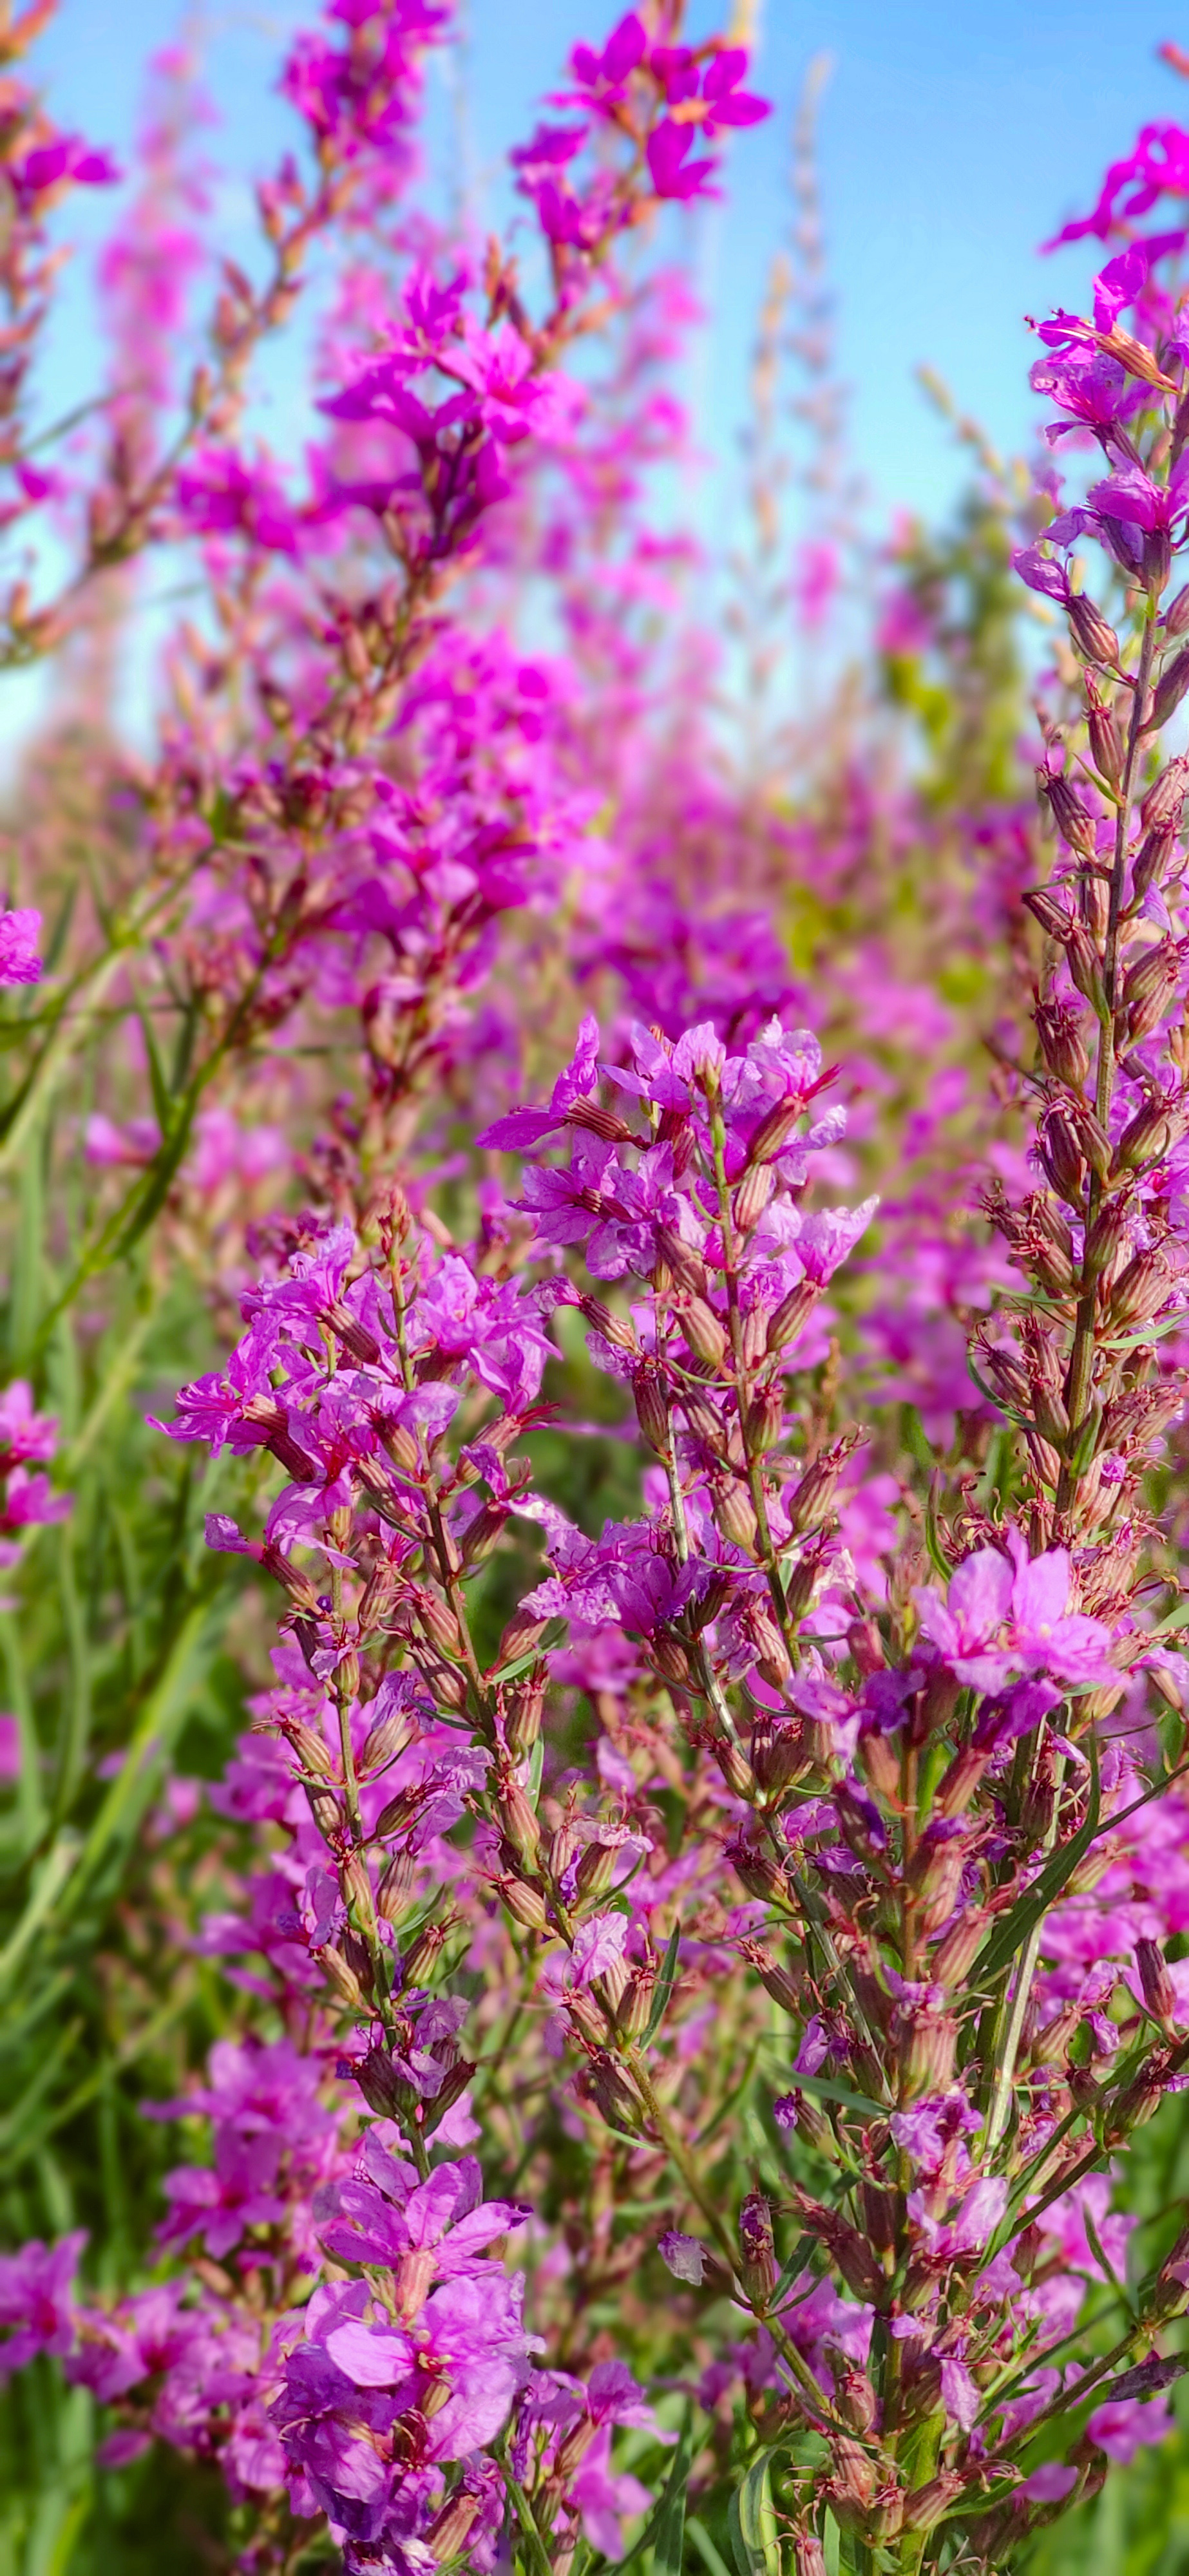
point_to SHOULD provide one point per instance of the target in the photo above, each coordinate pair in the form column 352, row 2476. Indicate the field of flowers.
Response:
column 594, row 1419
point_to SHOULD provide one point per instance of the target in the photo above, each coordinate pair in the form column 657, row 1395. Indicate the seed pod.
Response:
column 703, row 1331
column 1070, row 815
column 790, row 1318
column 1148, row 986
column 310, row 1750
column 1091, row 633
column 752, row 1196
column 1059, row 1031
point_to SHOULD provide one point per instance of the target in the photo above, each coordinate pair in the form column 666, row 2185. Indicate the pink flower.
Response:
column 19, row 936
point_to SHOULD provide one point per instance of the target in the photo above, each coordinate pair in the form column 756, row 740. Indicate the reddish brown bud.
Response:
column 685, row 1263
column 517, row 1820
column 447, row 2535
column 343, row 1978
column 353, row 1335
column 598, row 1121
column 385, row 1741
column 1085, row 964
column 652, row 1410
column 955, row 1956
column 525, row 1709
column 482, row 1533
column 597, row 1865
column 613, row 1328
column 1106, row 742
column 396, row 1887
column 1150, row 1135
column 1072, row 820
column 1050, row 910
column 326, row 1811
column 1110, row 1231
column 1061, row 1155
column 733, row 1510
column 523, row 1632
column 310, row 1750
column 1059, row 1031
column 1170, row 689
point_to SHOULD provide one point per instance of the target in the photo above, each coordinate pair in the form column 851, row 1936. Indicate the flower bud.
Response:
column 483, row 1531
column 310, row 1749
column 954, row 1956
column 1170, row 689
column 784, row 1984
column 1176, row 616
column 752, row 1196
column 764, row 1421
column 1106, row 742
column 268, row 1416
column 672, row 1662
column 614, row 1329
column 771, row 1653
column 703, row 1331
column 1050, row 2044
column 524, row 1631
column 1059, row 1032
column 326, row 1811
column 573, row 2449
column 788, row 1320
column 811, row 1498
column 759, row 1873
column 1136, row 2104
column 1139, row 1291
column 1151, row 861
column 355, row 1882
column 612, row 2093
column 448, row 2533
column 855, row 2396
column 1148, row 987
column 1085, row 964
column 735, row 1768
column 418, row 1962
column 399, row 1814
column 734, row 1512
column 685, row 1263
column 1156, row 1985
column 1150, row 1135
column 1069, row 814
column 652, row 1411
column 1110, row 1231
column 778, row 1125
column 809, row 2557
column 1050, row 911
column 635, row 2005
column 1061, row 1155
column 525, row 1904
column 586, row 2017
column 880, row 1763
column 927, row 2050
column 396, row 1887
column 517, row 1821
column 1091, row 633
column 1161, row 809
column 757, row 2255
column 924, row 2506
column 343, row 1978
column 526, row 1707
column 597, row 1864
column 353, row 1335
column 384, row 1742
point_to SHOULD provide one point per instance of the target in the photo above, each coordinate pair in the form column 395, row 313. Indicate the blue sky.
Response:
column 953, row 139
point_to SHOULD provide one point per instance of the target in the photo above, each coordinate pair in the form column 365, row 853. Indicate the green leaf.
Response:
column 664, row 1986
column 751, row 2521
column 709, row 2555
